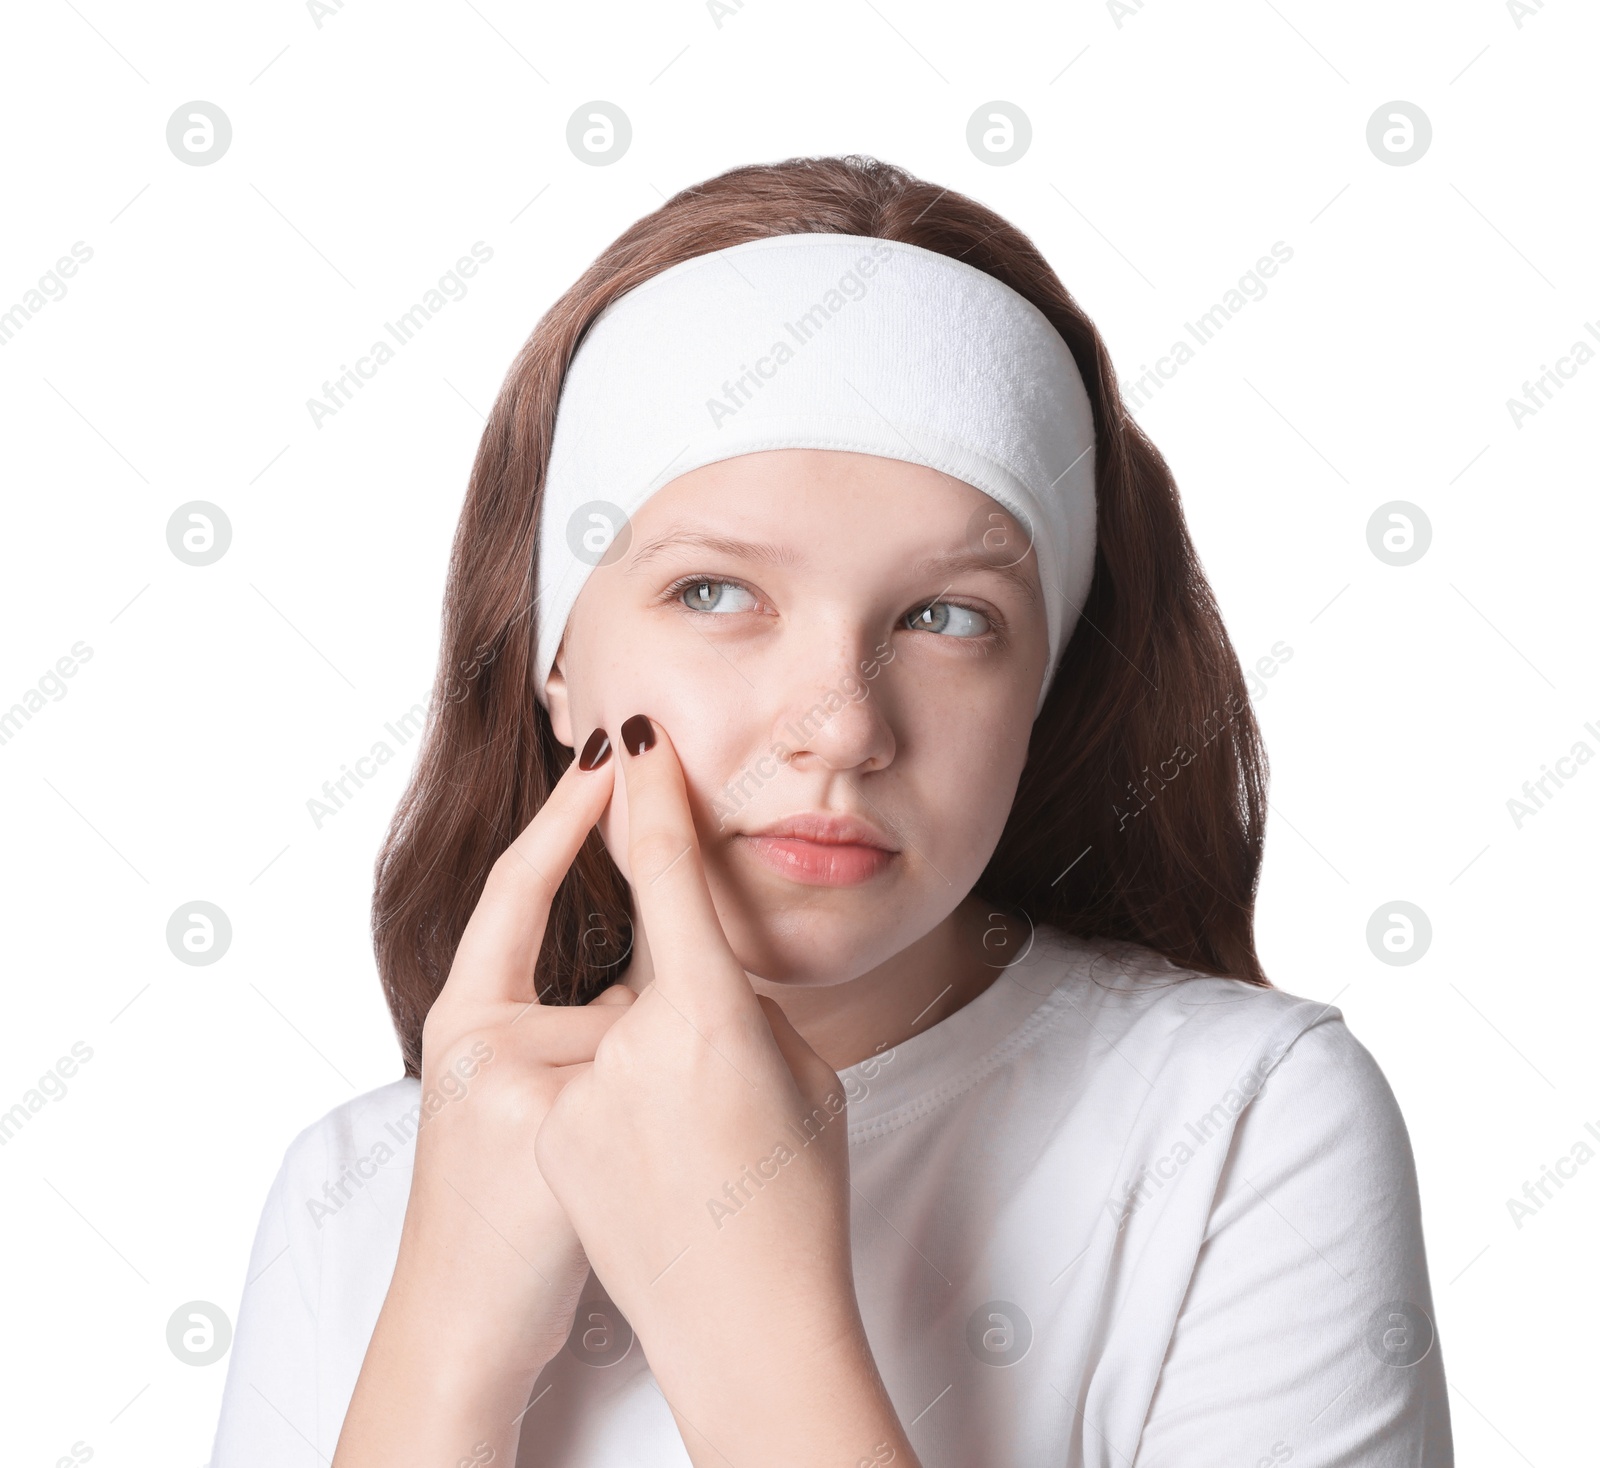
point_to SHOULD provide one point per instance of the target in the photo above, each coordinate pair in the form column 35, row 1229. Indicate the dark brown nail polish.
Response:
column 596, row 752
column 637, row 735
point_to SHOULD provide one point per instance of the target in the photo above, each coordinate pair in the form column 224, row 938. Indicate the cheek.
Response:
column 708, row 723
column 978, row 806
column 976, row 755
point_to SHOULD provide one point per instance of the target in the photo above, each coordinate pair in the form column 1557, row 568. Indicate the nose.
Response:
column 835, row 720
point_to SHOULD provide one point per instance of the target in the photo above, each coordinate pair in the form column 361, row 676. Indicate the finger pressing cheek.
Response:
column 613, row 827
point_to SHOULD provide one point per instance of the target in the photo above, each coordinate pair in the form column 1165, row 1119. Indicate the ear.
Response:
column 555, row 692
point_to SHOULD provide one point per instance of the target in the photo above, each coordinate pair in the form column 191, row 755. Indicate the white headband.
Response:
column 822, row 341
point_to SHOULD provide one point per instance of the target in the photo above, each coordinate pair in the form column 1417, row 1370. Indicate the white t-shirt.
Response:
column 1108, row 1214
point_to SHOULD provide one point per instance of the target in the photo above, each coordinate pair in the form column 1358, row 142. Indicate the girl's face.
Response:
column 846, row 651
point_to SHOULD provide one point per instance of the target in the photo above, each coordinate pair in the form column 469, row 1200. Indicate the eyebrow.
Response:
column 726, row 545
column 959, row 561
column 952, row 564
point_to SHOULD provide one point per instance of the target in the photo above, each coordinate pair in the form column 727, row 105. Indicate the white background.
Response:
column 1169, row 152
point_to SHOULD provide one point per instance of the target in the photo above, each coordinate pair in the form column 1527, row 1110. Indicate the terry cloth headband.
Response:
column 821, row 341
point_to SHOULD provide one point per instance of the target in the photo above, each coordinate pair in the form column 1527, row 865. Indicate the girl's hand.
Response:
column 702, row 1158
column 489, row 1269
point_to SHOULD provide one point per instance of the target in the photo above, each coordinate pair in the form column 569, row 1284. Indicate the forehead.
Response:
column 827, row 510
column 811, row 495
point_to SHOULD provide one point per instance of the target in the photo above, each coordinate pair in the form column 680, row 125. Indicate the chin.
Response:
column 810, row 946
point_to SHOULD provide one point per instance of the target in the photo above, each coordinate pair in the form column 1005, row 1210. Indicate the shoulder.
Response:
column 354, row 1163
column 1206, row 1049
column 1326, row 1127
column 1265, row 1184
column 1134, row 997
column 388, row 1114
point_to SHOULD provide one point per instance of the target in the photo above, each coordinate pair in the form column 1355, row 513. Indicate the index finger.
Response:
column 496, row 955
column 694, row 966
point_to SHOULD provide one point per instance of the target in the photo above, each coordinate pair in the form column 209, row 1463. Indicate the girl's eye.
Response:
column 717, row 596
column 947, row 617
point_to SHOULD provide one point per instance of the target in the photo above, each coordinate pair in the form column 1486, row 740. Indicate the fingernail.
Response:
column 637, row 735
column 596, row 752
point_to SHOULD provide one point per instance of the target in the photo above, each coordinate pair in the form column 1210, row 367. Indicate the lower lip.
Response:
column 818, row 863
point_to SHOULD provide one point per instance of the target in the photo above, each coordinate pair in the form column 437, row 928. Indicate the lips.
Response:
column 822, row 849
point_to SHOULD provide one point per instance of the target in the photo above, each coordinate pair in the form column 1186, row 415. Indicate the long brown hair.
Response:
column 1114, row 833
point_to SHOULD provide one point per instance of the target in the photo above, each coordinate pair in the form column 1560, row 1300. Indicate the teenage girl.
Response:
column 818, row 928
